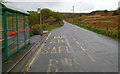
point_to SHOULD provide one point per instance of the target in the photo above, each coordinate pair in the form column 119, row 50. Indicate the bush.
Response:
column 80, row 19
column 35, row 29
column 105, row 11
column 34, row 17
column 116, row 13
column 57, row 16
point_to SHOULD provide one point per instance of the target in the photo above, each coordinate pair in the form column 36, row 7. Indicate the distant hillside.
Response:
column 105, row 12
column 98, row 12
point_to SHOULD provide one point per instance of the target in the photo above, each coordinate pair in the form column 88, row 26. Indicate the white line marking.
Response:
column 91, row 58
column 69, row 45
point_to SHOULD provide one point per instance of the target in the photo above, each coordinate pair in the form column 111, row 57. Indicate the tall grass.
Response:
column 98, row 31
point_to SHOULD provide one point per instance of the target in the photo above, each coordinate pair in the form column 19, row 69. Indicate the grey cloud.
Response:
column 66, row 5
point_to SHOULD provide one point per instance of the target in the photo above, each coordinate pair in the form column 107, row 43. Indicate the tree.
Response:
column 51, row 17
column 105, row 11
column 3, row 1
column 46, row 13
column 34, row 18
column 57, row 16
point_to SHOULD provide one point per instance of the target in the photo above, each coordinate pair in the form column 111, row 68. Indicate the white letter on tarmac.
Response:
column 66, row 62
column 52, row 67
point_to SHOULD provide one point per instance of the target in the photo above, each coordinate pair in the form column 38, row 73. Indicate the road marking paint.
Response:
column 63, row 49
column 62, row 41
column 52, row 64
column 30, row 64
column 52, row 41
column 82, row 48
column 77, row 42
column 54, row 50
column 45, row 51
column 61, row 37
column 68, row 51
column 39, row 49
column 56, row 41
column 69, row 45
column 48, row 36
column 57, row 37
column 75, row 60
column 66, row 62
column 91, row 58
column 74, row 39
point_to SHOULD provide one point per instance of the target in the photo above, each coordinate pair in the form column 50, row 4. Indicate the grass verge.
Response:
column 97, row 31
column 51, row 27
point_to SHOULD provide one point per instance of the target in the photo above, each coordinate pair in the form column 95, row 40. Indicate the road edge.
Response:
column 30, row 49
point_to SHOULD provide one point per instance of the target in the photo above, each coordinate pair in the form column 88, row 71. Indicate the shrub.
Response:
column 80, row 19
column 35, row 29
column 115, row 13
column 105, row 11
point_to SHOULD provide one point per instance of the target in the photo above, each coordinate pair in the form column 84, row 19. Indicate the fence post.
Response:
column 5, row 36
column 24, row 32
column 29, row 27
column 17, row 30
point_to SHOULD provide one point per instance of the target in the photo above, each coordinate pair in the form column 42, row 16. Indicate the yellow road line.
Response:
column 39, row 49
column 30, row 64
column 77, row 42
column 82, row 48
column 48, row 36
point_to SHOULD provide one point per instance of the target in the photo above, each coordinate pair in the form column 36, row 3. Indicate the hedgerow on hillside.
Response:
column 46, row 14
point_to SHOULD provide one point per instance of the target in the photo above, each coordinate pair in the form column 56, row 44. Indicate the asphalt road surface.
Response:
column 73, row 49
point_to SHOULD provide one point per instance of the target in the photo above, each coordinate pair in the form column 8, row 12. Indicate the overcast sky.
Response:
column 66, row 5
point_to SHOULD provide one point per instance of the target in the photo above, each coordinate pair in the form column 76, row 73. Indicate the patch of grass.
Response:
column 97, row 31
column 101, row 21
column 51, row 27
column 35, row 29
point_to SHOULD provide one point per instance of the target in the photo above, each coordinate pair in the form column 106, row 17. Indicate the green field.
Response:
column 106, row 25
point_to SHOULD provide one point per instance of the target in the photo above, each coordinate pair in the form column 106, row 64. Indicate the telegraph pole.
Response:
column 73, row 9
column 40, row 19
column 73, row 13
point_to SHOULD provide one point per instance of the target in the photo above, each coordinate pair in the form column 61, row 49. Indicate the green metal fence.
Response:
column 15, row 30
column 0, row 29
